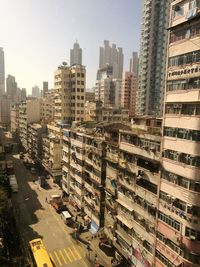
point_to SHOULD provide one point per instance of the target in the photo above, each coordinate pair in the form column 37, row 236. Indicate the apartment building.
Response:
column 112, row 56
column 35, row 133
column 14, row 119
column 5, row 104
column 52, row 151
column 108, row 88
column 47, row 109
column 69, row 93
column 95, row 111
column 152, row 62
column 84, row 173
column 132, row 180
column 29, row 112
column 128, row 92
column 178, row 232
column 89, row 96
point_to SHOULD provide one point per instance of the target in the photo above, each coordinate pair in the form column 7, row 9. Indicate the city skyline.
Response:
column 41, row 35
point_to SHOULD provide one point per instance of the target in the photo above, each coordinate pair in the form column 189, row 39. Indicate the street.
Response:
column 36, row 218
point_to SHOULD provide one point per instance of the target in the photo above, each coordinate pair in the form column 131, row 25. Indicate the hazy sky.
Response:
column 37, row 34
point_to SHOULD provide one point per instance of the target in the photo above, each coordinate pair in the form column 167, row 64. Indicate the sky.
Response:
column 37, row 35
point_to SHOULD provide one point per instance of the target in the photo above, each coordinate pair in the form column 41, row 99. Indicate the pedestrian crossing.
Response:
column 68, row 255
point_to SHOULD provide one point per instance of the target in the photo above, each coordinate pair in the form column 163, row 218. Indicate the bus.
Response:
column 39, row 253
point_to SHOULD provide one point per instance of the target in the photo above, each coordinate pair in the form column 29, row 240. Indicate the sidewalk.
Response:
column 95, row 254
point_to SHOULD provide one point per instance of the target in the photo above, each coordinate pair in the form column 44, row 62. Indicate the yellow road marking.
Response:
column 72, row 253
column 77, row 253
column 58, row 259
column 69, row 258
column 62, row 256
column 52, row 259
column 84, row 263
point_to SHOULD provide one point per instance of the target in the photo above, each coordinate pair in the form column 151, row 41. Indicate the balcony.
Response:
column 112, row 156
column 75, row 142
column 111, row 186
column 111, row 172
column 190, row 172
column 65, row 169
column 65, row 159
column 76, row 177
column 147, row 152
column 76, row 166
column 124, row 235
column 65, row 148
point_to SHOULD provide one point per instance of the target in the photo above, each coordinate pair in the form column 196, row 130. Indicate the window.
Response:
column 193, row 234
column 168, row 220
column 189, row 58
column 178, row 11
column 164, row 260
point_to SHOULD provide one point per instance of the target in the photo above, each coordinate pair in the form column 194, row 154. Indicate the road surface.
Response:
column 36, row 218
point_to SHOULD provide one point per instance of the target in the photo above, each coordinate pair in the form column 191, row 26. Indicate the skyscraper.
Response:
column 11, row 88
column 76, row 55
column 112, row 56
column 45, row 88
column 36, row 91
column 2, row 72
column 152, row 57
column 23, row 94
column 134, row 63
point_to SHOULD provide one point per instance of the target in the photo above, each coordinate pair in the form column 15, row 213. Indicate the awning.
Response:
column 125, row 205
column 124, row 221
column 178, row 262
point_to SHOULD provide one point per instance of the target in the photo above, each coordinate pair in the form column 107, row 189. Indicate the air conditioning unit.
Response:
column 192, row 237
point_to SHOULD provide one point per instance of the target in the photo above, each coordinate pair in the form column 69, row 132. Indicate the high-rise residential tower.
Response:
column 69, row 96
column 128, row 92
column 152, row 57
column 23, row 94
column 178, row 232
column 111, row 56
column 2, row 72
column 134, row 63
column 11, row 88
column 36, row 91
column 45, row 88
column 76, row 55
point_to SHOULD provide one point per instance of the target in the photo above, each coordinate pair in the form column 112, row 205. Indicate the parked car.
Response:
column 57, row 202
column 66, row 217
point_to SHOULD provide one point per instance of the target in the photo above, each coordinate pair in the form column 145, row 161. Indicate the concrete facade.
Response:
column 76, row 55
column 128, row 92
column 2, row 72
column 179, row 209
column 69, row 93
column 29, row 112
column 112, row 56
column 152, row 64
